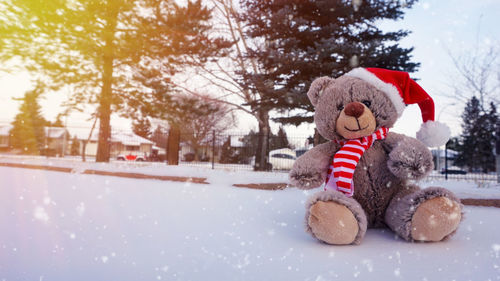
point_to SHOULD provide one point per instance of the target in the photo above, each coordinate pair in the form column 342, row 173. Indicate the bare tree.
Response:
column 227, row 74
column 477, row 73
column 200, row 117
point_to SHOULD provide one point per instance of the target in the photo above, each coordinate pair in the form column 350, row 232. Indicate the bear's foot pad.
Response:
column 333, row 223
column 435, row 219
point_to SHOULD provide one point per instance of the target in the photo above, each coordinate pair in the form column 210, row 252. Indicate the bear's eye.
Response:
column 367, row 103
column 340, row 107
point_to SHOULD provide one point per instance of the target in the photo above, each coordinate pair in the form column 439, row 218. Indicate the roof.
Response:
column 236, row 141
column 125, row 137
column 54, row 132
column 129, row 138
column 442, row 153
column 5, row 129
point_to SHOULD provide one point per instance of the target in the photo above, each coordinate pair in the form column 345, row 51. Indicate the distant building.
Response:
column 4, row 137
column 56, row 141
column 121, row 143
column 439, row 157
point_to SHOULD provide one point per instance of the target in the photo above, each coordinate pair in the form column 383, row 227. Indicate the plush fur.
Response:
column 382, row 194
column 351, row 204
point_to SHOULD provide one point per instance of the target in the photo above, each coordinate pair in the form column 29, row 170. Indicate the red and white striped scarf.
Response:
column 346, row 159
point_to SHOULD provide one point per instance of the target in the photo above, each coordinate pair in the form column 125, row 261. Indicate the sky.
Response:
column 436, row 26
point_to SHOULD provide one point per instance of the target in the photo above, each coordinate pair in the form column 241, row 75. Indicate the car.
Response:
column 282, row 159
column 453, row 171
column 130, row 157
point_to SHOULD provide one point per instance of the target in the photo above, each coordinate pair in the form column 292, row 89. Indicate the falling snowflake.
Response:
column 40, row 214
column 80, row 210
column 397, row 272
column 356, row 4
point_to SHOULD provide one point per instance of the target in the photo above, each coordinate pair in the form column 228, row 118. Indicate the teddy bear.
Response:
column 369, row 173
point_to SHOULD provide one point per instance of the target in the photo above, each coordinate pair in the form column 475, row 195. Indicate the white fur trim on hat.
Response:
column 433, row 133
column 390, row 90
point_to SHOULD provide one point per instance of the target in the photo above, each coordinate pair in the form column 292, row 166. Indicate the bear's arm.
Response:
column 310, row 169
column 409, row 158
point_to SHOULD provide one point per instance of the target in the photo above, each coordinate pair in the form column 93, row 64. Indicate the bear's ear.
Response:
column 317, row 88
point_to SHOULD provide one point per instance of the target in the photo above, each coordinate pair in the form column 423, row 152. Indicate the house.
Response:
column 56, row 140
column 4, row 137
column 439, row 157
column 124, row 143
column 205, row 150
column 121, row 143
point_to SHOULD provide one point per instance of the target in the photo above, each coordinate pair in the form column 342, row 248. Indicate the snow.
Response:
column 468, row 189
column 70, row 226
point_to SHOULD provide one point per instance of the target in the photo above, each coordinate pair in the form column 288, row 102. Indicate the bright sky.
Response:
column 435, row 25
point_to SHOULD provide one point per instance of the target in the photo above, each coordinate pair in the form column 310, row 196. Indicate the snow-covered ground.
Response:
column 60, row 226
column 230, row 174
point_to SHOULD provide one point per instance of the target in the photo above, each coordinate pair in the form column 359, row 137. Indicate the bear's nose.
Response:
column 354, row 109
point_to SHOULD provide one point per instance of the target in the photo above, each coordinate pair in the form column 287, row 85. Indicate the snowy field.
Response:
column 61, row 226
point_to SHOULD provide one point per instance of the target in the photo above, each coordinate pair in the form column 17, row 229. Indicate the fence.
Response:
column 215, row 150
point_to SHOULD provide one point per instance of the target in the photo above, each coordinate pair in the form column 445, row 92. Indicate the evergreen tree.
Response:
column 227, row 152
column 160, row 137
column 470, row 118
column 250, row 143
column 453, row 144
column 476, row 150
column 280, row 140
column 75, row 147
column 304, row 40
column 57, row 123
column 489, row 137
column 28, row 132
column 142, row 127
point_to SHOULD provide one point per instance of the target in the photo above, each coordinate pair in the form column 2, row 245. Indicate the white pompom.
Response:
column 433, row 133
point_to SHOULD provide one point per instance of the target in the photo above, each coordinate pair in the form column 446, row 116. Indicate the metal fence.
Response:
column 215, row 150
column 238, row 151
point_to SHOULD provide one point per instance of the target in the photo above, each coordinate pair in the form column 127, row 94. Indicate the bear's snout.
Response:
column 354, row 109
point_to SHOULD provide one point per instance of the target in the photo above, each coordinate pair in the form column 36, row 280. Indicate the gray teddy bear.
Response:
column 368, row 170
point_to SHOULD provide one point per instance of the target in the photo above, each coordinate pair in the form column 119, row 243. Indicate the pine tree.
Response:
column 227, row 154
column 488, row 139
column 57, row 123
column 28, row 133
column 280, row 140
column 250, row 143
column 160, row 137
column 476, row 150
column 142, row 127
column 75, row 146
column 468, row 148
column 304, row 40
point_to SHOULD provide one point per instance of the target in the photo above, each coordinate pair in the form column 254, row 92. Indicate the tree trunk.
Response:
column 261, row 157
column 196, row 155
column 173, row 145
column 103, row 145
column 84, row 148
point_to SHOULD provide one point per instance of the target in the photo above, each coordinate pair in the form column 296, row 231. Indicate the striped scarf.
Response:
column 346, row 159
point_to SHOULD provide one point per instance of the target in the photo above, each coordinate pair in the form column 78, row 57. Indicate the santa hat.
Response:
column 402, row 91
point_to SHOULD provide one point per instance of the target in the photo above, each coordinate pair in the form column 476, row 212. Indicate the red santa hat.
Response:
column 402, row 91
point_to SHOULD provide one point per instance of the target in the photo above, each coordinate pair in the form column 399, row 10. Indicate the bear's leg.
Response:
column 432, row 214
column 335, row 218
